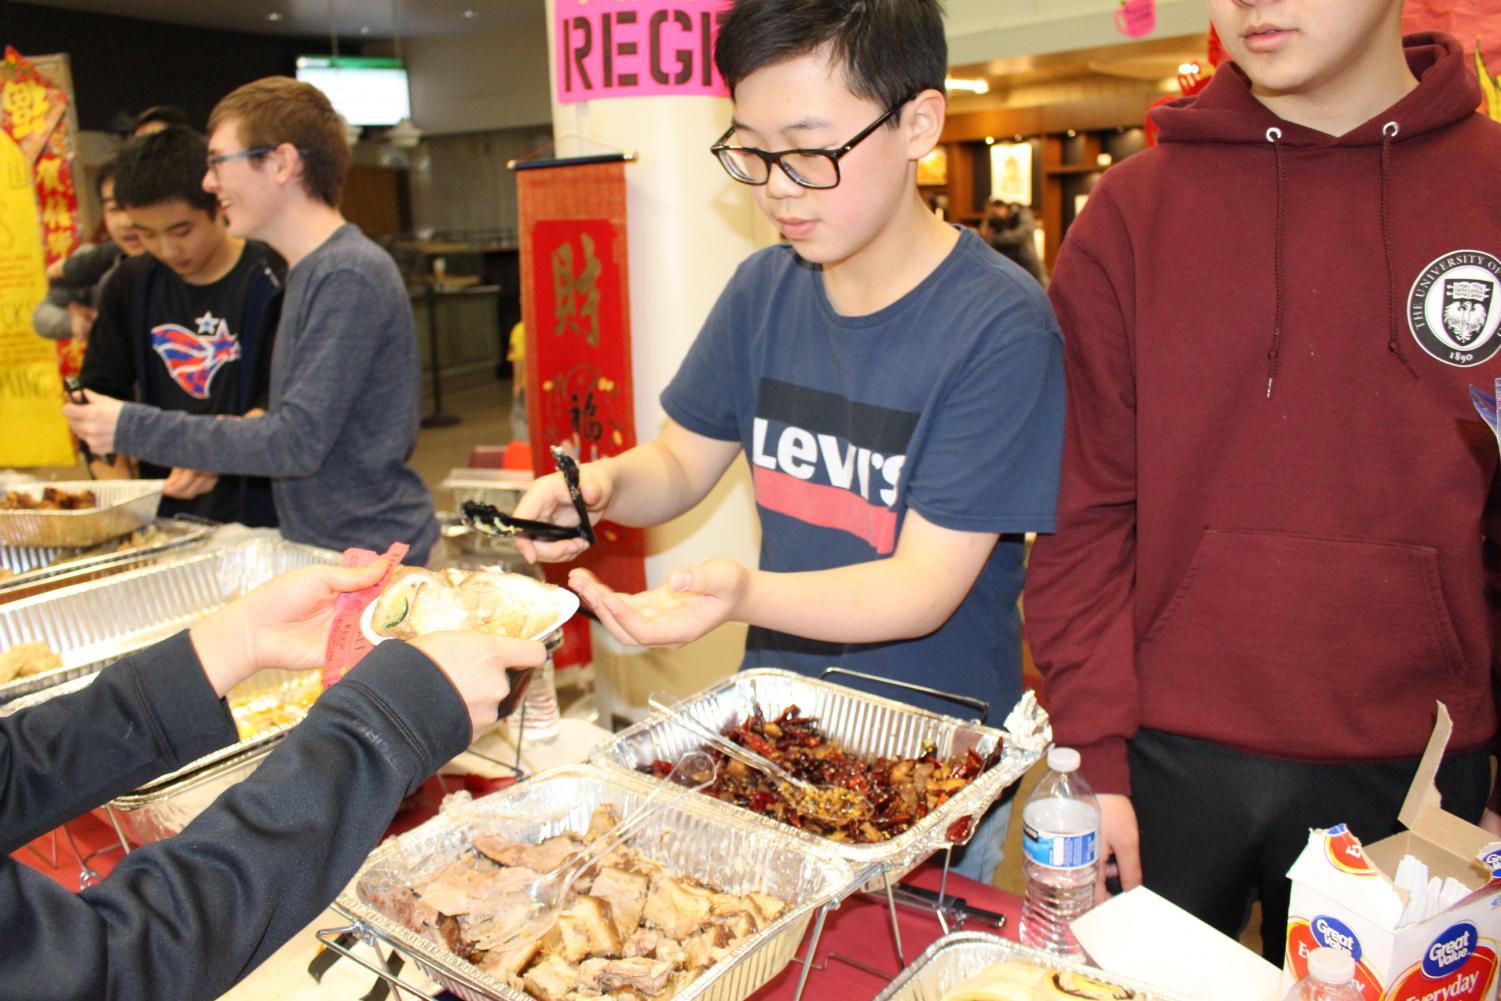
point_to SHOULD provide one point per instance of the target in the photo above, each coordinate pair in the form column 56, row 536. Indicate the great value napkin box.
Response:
column 1343, row 896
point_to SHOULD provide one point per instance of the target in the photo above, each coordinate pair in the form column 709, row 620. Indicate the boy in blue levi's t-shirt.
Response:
column 895, row 385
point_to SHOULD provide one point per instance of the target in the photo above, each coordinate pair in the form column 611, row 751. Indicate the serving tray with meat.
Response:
column 696, row 905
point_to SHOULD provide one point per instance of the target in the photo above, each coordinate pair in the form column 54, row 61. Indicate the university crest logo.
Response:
column 1453, row 311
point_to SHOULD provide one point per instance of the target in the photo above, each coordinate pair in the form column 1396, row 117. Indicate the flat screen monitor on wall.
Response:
column 366, row 90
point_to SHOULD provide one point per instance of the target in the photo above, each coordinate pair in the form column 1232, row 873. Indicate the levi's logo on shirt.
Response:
column 829, row 461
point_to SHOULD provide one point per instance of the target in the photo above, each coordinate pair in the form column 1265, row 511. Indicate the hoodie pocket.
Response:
column 1286, row 629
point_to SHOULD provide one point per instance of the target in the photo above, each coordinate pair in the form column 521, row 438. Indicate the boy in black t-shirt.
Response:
column 189, row 325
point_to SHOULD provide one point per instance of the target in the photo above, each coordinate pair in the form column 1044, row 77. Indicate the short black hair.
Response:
column 165, row 166
column 891, row 50
column 169, row 115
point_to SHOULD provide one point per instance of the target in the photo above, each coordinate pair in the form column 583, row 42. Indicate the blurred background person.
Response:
column 1010, row 229
column 71, row 303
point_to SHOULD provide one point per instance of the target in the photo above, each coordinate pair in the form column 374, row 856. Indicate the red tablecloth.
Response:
column 861, row 929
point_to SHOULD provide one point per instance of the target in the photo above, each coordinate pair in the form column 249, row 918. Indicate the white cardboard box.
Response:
column 1343, row 896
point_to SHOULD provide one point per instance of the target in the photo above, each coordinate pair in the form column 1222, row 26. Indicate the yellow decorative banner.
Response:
column 32, row 430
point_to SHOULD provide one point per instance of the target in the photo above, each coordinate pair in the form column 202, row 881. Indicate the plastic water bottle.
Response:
column 540, row 723
column 1060, row 854
column 1331, row 977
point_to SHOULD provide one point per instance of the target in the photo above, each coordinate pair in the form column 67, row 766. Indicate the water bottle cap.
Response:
column 1063, row 759
column 1332, row 966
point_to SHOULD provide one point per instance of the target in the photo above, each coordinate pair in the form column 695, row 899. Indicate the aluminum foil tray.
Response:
column 35, row 569
column 124, row 506
column 955, row 958
column 97, row 622
column 862, row 724
column 689, row 837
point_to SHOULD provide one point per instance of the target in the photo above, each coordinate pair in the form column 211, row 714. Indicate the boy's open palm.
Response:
column 692, row 602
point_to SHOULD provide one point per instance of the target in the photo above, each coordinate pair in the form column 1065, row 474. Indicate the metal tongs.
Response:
column 74, row 389
column 487, row 519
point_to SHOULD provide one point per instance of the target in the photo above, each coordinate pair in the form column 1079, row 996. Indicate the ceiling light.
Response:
column 990, row 140
column 275, row 15
column 469, row 13
column 364, row 29
column 973, row 86
column 1072, row 133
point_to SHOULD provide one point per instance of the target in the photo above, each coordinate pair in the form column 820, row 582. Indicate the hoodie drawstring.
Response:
column 1388, row 133
column 1393, row 343
column 1273, row 135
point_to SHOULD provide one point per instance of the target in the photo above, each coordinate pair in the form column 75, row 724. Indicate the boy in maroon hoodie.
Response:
column 1276, row 503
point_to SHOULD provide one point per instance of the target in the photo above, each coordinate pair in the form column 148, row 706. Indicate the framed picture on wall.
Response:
column 1011, row 172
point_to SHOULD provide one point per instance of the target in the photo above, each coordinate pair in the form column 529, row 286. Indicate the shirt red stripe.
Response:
column 826, row 507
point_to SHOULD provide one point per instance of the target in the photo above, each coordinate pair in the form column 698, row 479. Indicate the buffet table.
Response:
column 858, row 931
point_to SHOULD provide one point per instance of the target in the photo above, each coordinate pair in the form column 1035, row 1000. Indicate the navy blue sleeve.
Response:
column 701, row 395
column 988, row 461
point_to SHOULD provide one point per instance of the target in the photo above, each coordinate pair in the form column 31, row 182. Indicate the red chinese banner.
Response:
column 38, row 224
column 575, row 305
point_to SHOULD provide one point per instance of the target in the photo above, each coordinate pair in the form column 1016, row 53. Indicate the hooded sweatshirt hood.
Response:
column 1275, row 493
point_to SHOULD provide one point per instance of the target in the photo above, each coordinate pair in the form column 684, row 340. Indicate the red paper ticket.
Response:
column 346, row 643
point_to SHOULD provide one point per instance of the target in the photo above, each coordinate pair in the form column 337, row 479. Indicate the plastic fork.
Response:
column 834, row 804
column 547, row 893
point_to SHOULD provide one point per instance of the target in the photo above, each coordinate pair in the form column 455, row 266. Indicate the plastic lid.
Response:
column 1063, row 759
column 1332, row 966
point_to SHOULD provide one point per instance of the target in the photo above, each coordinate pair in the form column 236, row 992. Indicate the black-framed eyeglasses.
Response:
column 810, row 168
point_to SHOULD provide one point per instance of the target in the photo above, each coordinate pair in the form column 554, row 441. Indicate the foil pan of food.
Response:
column 28, row 570
column 927, row 777
column 975, row 966
column 697, row 905
column 76, row 513
column 88, row 625
column 133, row 610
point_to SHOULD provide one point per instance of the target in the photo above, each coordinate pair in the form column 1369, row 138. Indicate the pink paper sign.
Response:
column 637, row 48
column 1136, row 18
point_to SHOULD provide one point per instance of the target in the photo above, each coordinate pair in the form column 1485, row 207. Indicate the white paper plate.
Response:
column 567, row 601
